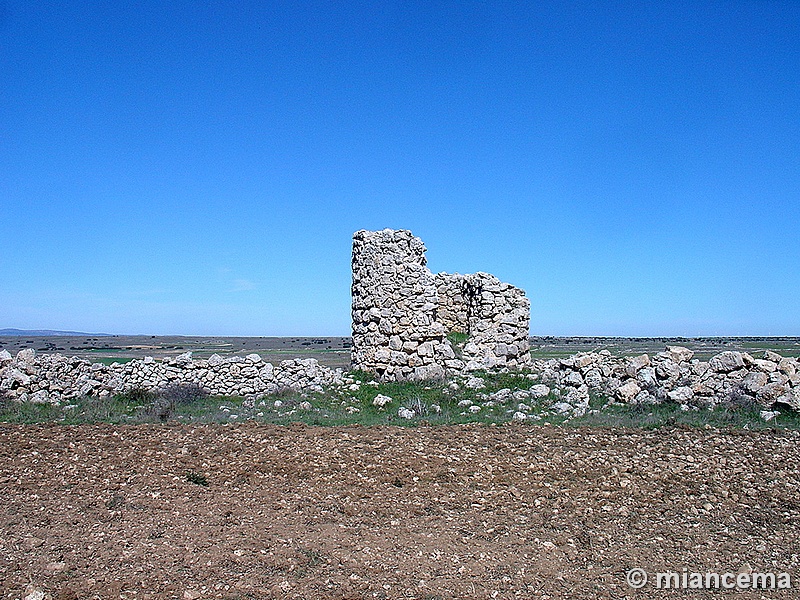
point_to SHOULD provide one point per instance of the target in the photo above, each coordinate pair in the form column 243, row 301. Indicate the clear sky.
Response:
column 199, row 167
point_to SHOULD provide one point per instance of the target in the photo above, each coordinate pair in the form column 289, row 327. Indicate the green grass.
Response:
column 457, row 338
column 117, row 409
column 670, row 415
column 346, row 407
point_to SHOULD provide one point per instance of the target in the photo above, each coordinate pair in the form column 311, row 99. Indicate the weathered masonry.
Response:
column 407, row 321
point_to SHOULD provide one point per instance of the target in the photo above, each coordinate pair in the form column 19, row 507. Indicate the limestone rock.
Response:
column 381, row 401
column 635, row 363
column 680, row 354
column 406, row 413
column 753, row 382
column 769, row 394
column 627, row 391
column 681, row 394
column 40, row 397
column 539, row 390
column 475, row 383
column 562, row 407
column 727, row 361
column 26, row 355
column 647, row 377
column 791, row 399
column 767, row 366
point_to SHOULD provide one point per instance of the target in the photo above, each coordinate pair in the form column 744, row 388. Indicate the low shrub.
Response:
column 739, row 401
column 196, row 478
column 181, row 394
column 139, row 396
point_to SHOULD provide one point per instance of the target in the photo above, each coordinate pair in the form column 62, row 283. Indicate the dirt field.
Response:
column 451, row 512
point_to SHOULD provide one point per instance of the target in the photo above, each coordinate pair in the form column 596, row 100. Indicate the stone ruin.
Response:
column 411, row 324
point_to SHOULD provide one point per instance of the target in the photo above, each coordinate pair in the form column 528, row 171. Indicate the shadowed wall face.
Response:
column 402, row 313
column 495, row 315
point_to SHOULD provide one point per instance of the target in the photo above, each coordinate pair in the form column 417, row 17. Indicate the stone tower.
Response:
column 402, row 313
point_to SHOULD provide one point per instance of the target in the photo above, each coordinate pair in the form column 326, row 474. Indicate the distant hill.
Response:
column 45, row 332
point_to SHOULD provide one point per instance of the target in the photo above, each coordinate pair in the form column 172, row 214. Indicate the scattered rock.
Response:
column 768, row 415
column 405, row 413
column 381, row 401
column 475, row 383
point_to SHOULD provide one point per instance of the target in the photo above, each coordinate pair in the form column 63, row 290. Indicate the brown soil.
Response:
column 452, row 512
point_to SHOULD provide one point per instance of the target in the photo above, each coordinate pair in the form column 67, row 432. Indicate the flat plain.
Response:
column 335, row 351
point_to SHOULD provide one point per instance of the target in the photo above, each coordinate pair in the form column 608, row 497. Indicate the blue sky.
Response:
column 200, row 167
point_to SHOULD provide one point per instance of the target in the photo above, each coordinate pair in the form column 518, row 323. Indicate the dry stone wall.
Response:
column 770, row 382
column 402, row 313
column 673, row 375
column 53, row 378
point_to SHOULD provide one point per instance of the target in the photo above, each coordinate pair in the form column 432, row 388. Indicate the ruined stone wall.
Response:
column 673, row 376
column 53, row 378
column 771, row 383
column 495, row 315
column 454, row 302
column 402, row 313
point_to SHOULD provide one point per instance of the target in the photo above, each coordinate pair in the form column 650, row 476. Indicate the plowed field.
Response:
column 515, row 511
